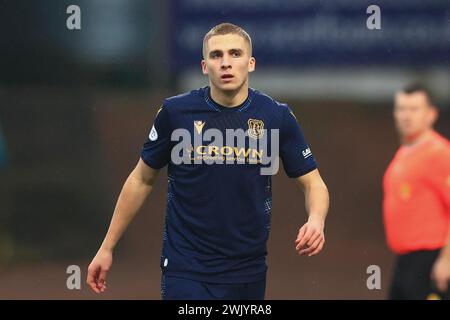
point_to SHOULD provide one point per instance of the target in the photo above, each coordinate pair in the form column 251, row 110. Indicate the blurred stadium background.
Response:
column 76, row 106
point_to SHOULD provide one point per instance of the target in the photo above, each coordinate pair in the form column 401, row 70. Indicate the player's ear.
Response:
column 251, row 64
column 434, row 114
column 204, row 67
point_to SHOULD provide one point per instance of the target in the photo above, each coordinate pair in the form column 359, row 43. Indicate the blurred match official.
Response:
column 417, row 200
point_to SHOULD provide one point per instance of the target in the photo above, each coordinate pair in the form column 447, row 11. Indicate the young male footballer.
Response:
column 221, row 144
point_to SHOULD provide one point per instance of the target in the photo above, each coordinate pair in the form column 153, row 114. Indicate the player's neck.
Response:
column 414, row 140
column 229, row 98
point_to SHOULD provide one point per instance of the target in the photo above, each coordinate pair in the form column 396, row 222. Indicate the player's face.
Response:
column 413, row 114
column 227, row 62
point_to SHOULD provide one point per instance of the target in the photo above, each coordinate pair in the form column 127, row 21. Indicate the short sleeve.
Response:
column 156, row 150
column 295, row 153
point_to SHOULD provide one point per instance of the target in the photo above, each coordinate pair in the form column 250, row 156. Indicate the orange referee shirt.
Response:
column 416, row 206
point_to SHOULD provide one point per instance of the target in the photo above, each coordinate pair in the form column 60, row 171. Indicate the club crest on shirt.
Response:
column 405, row 191
column 255, row 128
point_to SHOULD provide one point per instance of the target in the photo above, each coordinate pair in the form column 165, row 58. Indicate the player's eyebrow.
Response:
column 240, row 51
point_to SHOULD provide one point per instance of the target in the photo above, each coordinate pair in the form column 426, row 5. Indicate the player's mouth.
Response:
column 226, row 77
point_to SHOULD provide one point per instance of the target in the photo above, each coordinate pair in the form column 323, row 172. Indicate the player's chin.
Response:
column 230, row 85
column 408, row 132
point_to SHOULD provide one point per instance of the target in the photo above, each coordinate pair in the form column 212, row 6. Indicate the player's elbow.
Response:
column 140, row 179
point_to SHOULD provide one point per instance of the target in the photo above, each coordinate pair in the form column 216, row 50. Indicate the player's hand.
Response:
column 310, row 238
column 98, row 270
column 441, row 273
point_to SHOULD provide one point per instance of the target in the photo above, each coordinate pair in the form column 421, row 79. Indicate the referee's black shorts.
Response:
column 412, row 277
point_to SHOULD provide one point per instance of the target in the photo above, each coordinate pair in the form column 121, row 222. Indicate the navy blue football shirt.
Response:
column 218, row 215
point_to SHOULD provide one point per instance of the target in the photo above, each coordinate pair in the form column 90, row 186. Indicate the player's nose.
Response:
column 226, row 63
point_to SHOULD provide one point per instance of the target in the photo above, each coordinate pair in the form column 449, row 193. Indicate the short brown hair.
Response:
column 414, row 87
column 227, row 28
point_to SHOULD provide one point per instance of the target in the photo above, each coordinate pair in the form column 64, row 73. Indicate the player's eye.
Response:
column 215, row 54
column 236, row 53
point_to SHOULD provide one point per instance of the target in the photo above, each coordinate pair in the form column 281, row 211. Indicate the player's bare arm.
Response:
column 137, row 187
column 311, row 239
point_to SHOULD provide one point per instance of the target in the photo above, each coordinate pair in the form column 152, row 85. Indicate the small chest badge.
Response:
column 199, row 126
column 255, row 128
column 153, row 134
